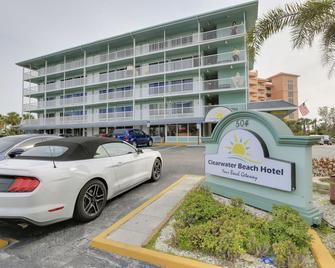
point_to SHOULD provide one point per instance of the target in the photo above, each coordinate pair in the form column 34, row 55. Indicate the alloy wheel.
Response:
column 94, row 200
column 156, row 170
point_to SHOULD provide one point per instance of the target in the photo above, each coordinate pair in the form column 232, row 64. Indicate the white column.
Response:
column 107, row 117
column 246, row 67
column 164, row 38
column 134, row 77
column 84, row 91
column 45, row 92
column 200, row 62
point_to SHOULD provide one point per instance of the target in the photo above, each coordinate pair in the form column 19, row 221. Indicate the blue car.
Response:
column 133, row 136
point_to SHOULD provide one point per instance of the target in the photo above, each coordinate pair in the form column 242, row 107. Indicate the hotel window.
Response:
column 188, row 84
column 182, row 130
column 182, row 107
column 156, row 88
column 171, row 130
column 102, row 110
column 193, row 131
column 156, row 109
column 290, row 91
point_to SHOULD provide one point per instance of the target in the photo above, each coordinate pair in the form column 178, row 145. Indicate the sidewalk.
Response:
column 138, row 230
column 127, row 236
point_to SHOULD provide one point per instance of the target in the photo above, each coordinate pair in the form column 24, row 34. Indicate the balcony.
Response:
column 195, row 87
column 119, row 117
column 143, row 71
column 140, row 50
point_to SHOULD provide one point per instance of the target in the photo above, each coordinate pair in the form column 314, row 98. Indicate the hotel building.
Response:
column 163, row 79
column 277, row 94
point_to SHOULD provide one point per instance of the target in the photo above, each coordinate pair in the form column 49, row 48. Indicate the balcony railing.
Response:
column 231, row 83
column 171, row 43
column 145, row 70
column 143, row 115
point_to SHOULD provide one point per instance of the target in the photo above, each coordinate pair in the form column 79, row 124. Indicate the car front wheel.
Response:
column 150, row 142
column 156, row 170
column 91, row 201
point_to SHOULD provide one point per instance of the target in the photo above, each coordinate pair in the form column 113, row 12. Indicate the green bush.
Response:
column 228, row 231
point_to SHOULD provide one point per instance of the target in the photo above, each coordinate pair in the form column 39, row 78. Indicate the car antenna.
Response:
column 53, row 160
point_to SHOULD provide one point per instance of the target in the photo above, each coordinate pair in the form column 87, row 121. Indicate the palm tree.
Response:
column 2, row 123
column 13, row 119
column 306, row 20
column 28, row 116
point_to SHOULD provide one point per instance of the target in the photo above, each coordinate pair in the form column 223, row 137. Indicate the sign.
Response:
column 244, row 156
column 217, row 114
column 255, row 156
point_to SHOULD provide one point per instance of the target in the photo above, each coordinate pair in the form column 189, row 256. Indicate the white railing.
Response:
column 144, row 114
column 30, row 74
column 222, row 58
column 231, row 83
column 145, row 70
column 222, row 32
column 147, row 48
column 189, row 39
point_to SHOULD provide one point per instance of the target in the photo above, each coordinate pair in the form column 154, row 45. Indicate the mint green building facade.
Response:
column 163, row 79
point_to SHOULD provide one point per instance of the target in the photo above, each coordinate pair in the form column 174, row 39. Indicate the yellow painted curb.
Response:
column 3, row 243
column 321, row 254
column 144, row 254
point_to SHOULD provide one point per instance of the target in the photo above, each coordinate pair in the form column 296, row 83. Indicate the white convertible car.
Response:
column 72, row 177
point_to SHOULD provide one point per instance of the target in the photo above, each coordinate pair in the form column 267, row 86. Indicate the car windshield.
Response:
column 45, row 151
column 8, row 142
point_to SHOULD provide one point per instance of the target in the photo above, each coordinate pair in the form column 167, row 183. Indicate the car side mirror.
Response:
column 15, row 152
column 139, row 151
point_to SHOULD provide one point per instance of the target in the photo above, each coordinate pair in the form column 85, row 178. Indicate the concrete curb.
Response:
column 140, row 253
column 319, row 251
column 321, row 254
column 3, row 243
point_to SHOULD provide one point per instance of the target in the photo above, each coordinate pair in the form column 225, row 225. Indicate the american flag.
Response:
column 303, row 109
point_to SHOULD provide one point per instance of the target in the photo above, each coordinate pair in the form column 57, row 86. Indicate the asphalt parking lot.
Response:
column 66, row 244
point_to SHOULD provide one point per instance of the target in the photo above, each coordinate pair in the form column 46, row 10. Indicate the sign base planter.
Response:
column 255, row 156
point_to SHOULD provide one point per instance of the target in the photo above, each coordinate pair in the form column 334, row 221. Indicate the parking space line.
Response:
column 3, row 243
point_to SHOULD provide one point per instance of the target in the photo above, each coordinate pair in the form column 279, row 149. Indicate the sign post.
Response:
column 255, row 156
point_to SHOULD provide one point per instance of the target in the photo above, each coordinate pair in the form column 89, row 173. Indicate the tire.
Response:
column 91, row 201
column 150, row 143
column 156, row 170
column 134, row 143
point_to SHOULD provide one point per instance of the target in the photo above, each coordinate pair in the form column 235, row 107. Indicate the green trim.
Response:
column 141, row 31
column 279, row 130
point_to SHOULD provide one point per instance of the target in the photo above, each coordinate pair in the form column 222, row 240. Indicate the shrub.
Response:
column 228, row 231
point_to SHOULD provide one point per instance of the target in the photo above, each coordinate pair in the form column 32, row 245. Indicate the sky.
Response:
column 37, row 27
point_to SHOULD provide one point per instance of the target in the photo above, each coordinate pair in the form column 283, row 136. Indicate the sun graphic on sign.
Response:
column 239, row 148
column 219, row 115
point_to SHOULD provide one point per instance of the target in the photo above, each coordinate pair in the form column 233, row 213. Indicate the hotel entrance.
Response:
column 157, row 132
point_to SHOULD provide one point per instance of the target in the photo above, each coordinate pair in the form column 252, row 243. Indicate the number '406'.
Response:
column 242, row 123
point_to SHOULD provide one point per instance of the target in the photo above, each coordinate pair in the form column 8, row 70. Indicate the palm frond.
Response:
column 272, row 22
column 310, row 21
column 328, row 48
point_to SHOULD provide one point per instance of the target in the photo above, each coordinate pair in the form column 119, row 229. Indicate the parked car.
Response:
column 73, row 177
column 326, row 140
column 12, row 146
column 133, row 136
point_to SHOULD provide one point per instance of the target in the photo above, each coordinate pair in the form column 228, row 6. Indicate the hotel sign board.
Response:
column 244, row 156
column 216, row 114
column 255, row 156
